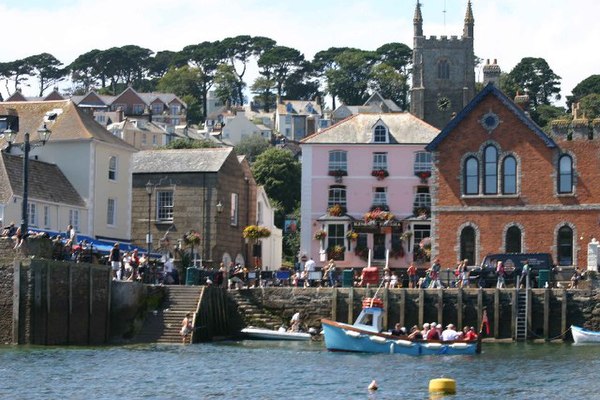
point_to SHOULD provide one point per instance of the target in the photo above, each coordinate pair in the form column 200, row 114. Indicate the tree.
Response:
column 206, row 57
column 350, row 81
column 263, row 88
column 589, row 85
column 16, row 71
column 396, row 55
column 302, row 84
column 590, row 105
column 239, row 50
column 390, row 84
column 278, row 63
column 280, row 174
column 323, row 62
column 535, row 77
column 181, row 81
column 544, row 114
column 252, row 146
column 162, row 62
column 227, row 86
column 47, row 69
column 87, row 70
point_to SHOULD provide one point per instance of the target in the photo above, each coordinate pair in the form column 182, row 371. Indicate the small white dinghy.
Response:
column 268, row 334
column 581, row 335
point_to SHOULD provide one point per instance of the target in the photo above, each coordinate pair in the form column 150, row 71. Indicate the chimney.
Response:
column 522, row 100
column 491, row 73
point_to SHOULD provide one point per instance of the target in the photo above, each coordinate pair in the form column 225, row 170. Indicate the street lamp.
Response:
column 10, row 135
column 149, row 190
column 219, row 207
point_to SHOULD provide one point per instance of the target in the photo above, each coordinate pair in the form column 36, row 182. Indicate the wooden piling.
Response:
column 385, row 307
column 459, row 308
column 421, row 307
column 496, row 313
column 546, row 314
column 351, row 306
column 563, row 313
column 514, row 310
column 334, row 296
column 440, row 306
column 479, row 306
column 402, row 306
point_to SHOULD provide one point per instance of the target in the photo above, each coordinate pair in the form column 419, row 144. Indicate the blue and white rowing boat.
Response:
column 365, row 336
column 584, row 336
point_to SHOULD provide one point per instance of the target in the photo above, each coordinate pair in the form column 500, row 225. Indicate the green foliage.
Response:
column 589, row 85
column 252, row 146
column 47, row 69
column 184, row 143
column 181, row 81
column 534, row 77
column 589, row 105
column 280, row 174
column 350, row 81
column 277, row 63
column 544, row 114
column 227, row 86
column 263, row 88
column 390, row 84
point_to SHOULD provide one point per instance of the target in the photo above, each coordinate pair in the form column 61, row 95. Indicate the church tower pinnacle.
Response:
column 418, row 20
column 469, row 22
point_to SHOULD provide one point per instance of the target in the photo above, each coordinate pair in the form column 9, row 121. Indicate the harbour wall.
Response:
column 551, row 311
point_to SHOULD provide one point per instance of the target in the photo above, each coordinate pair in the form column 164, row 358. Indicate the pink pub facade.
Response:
column 365, row 192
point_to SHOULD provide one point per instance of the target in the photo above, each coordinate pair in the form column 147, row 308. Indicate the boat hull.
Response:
column 584, row 336
column 344, row 337
column 267, row 334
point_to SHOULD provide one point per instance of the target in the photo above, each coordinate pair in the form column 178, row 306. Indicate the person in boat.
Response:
column 433, row 333
column 415, row 333
column 425, row 330
column 186, row 327
column 295, row 322
column 399, row 330
column 470, row 335
column 449, row 334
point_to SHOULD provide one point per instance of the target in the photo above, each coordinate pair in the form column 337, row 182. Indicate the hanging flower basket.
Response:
column 336, row 210
column 191, row 238
column 424, row 175
column 380, row 174
column 406, row 235
column 352, row 235
column 255, row 232
column 320, row 235
column 336, row 252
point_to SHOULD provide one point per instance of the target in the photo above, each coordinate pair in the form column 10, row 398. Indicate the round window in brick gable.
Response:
column 490, row 121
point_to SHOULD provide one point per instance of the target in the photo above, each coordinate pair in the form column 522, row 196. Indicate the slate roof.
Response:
column 404, row 128
column 490, row 90
column 46, row 182
column 299, row 107
column 69, row 122
column 180, row 160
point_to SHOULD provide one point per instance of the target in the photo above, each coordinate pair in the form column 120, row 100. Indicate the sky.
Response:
column 564, row 33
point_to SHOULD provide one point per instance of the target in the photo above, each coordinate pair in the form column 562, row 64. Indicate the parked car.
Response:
column 485, row 274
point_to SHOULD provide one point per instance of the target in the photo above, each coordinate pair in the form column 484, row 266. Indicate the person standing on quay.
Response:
column 412, row 276
column 186, row 327
column 436, row 267
column 500, row 271
column 115, row 260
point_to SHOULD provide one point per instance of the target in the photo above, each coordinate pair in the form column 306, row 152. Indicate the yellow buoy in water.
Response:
column 442, row 385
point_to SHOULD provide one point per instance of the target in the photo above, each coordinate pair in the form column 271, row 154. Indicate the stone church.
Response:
column 443, row 72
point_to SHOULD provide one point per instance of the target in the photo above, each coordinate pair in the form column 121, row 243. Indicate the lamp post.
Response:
column 149, row 191
column 44, row 135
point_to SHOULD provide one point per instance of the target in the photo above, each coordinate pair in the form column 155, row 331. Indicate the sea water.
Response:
column 293, row 370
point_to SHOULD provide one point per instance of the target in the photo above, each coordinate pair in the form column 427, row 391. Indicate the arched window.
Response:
column 471, row 176
column 513, row 240
column 443, row 69
column 490, row 173
column 467, row 244
column 509, row 175
column 337, row 195
column 380, row 134
column 565, row 246
column 565, row 174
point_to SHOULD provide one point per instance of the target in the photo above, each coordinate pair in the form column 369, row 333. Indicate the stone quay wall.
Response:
column 551, row 311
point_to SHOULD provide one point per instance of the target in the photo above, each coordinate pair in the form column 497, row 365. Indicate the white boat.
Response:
column 581, row 335
column 268, row 334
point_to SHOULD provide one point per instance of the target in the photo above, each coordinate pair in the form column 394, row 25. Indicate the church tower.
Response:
column 443, row 79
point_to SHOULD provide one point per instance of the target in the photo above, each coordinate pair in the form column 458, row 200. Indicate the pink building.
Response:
column 365, row 188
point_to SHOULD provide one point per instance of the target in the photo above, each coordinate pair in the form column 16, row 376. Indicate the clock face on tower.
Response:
column 443, row 103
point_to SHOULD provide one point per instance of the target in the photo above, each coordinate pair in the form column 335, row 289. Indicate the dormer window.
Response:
column 380, row 134
column 289, row 108
column 309, row 108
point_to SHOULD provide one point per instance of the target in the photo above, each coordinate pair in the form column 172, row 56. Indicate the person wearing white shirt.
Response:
column 449, row 333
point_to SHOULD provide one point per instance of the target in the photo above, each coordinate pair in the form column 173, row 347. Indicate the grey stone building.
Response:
column 443, row 72
column 206, row 190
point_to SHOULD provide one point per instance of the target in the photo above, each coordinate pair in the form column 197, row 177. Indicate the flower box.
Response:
column 320, row 235
column 336, row 210
column 380, row 174
column 338, row 172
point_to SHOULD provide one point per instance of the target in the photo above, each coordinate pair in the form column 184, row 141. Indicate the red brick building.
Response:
column 500, row 184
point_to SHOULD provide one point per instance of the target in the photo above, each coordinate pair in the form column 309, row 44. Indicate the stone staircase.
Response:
column 163, row 325
column 252, row 313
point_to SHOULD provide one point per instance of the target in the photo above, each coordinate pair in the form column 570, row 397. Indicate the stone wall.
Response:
column 552, row 311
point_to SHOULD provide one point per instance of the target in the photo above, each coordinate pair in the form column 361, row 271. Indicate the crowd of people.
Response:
column 433, row 331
